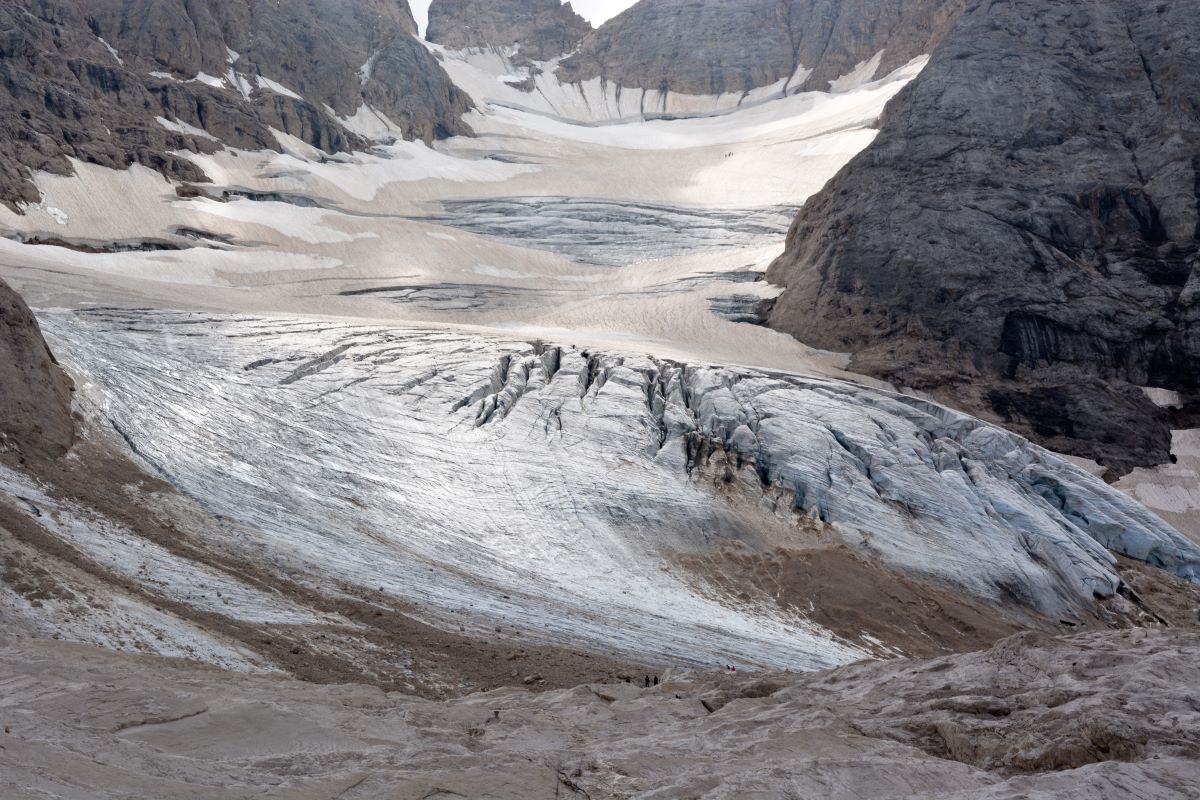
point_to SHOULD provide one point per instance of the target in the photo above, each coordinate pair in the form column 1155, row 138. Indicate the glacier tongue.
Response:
column 549, row 490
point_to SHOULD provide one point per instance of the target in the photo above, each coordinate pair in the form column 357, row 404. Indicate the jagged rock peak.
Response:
column 74, row 72
column 715, row 46
column 1022, row 236
column 543, row 29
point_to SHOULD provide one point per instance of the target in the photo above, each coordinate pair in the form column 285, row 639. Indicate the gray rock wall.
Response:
column 1021, row 238
column 63, row 94
column 544, row 29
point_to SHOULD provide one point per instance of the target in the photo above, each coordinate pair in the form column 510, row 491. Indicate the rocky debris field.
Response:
column 1094, row 715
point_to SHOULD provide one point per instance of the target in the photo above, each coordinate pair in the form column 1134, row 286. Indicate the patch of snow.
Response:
column 57, row 214
column 239, row 82
column 209, row 80
column 489, row 75
column 302, row 224
column 166, row 76
column 371, row 124
column 178, row 126
column 363, row 175
column 1163, row 398
column 498, row 272
column 277, row 88
column 823, row 117
column 364, row 72
column 861, row 75
column 112, row 50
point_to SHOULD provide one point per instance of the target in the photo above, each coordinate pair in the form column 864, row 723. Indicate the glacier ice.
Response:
column 552, row 488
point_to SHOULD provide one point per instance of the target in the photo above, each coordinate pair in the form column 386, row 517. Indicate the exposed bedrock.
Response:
column 35, row 394
column 1021, row 238
column 541, row 29
column 88, row 79
column 715, row 47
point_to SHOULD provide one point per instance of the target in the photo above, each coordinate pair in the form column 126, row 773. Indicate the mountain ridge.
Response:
column 1021, row 240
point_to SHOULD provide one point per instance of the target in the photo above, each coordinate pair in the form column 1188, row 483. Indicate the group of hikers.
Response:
column 649, row 680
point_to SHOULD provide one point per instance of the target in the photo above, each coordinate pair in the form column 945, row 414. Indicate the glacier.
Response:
column 557, row 490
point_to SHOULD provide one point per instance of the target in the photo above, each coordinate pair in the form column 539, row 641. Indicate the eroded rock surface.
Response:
column 1099, row 715
column 541, row 29
column 715, row 47
column 116, row 83
column 1021, row 238
column 35, row 394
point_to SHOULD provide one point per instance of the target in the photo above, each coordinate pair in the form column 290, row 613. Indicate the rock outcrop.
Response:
column 35, row 394
column 1021, row 238
column 542, row 29
column 1102, row 715
column 119, row 82
column 715, row 47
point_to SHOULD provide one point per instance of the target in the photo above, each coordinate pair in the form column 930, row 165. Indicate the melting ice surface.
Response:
column 548, row 489
column 554, row 492
column 611, row 233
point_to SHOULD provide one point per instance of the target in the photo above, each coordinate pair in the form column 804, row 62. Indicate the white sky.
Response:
column 595, row 11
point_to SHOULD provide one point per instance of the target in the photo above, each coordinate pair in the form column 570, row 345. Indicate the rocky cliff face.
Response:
column 713, row 47
column 87, row 79
column 544, row 29
column 35, row 394
column 1021, row 238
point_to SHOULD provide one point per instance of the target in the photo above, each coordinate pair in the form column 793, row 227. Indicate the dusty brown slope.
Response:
column 1022, row 237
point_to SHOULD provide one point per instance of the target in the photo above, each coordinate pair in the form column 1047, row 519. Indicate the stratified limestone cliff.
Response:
column 714, row 47
column 543, row 29
column 1021, row 238
column 88, row 79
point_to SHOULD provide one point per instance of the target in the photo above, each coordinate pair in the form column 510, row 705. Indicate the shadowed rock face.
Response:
column 86, row 79
column 35, row 394
column 544, row 29
column 713, row 46
column 1021, row 238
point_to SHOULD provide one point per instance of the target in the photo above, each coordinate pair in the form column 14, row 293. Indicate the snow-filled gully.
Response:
column 551, row 489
